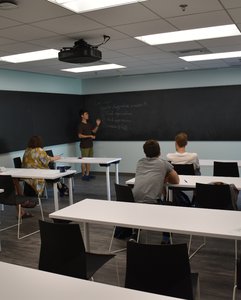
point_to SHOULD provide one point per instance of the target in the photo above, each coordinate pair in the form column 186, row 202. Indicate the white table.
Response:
column 189, row 181
column 1, row 190
column 102, row 161
column 185, row 220
column 52, row 175
column 43, row 285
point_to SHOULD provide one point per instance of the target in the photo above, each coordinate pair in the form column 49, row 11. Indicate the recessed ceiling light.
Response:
column 211, row 56
column 190, row 35
column 31, row 56
column 80, row 6
column 94, row 68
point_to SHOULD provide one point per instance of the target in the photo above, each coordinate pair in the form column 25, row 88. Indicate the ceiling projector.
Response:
column 80, row 53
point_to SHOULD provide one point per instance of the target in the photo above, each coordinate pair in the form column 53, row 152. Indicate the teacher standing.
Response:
column 87, row 135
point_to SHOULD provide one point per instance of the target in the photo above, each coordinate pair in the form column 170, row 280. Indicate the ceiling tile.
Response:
column 125, row 14
column 68, row 24
column 167, row 8
column 201, row 20
column 147, row 27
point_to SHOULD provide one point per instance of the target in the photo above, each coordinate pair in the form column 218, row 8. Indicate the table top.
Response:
column 44, row 285
column 36, row 173
column 177, row 219
column 189, row 181
column 89, row 160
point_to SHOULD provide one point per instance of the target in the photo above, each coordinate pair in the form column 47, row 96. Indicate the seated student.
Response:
column 35, row 157
column 181, row 156
column 152, row 173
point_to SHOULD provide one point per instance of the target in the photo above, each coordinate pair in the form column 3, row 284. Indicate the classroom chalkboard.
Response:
column 206, row 114
column 23, row 114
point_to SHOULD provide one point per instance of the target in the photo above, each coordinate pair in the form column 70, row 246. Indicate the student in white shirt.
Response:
column 181, row 156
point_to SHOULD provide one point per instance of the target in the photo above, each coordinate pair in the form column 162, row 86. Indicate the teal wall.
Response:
column 129, row 151
column 32, row 82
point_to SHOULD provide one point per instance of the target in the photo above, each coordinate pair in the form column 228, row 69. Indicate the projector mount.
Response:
column 83, row 44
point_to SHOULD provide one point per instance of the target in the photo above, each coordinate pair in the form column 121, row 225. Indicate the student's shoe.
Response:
column 133, row 238
column 91, row 176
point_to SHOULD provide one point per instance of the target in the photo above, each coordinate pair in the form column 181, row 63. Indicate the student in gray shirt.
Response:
column 152, row 173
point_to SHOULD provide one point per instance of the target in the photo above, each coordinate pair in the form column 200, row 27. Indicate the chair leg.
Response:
column 20, row 220
column 234, row 292
column 189, row 244
column 200, row 247
column 117, row 271
column 198, row 289
column 112, row 238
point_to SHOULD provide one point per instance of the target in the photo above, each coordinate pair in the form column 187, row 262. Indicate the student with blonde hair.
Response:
column 181, row 156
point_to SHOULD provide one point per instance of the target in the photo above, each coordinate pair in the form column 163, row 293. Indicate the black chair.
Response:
column 52, row 165
column 9, row 197
column 27, row 189
column 17, row 162
column 63, row 252
column 226, row 169
column 160, row 269
column 123, row 194
column 184, row 169
column 179, row 197
column 212, row 196
column 215, row 196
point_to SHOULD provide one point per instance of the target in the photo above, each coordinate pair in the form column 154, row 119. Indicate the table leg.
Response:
column 108, row 182
column 56, row 198
column 86, row 236
column 117, row 173
column 235, row 269
column 70, row 181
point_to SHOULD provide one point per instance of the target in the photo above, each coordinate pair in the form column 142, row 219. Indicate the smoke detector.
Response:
column 8, row 4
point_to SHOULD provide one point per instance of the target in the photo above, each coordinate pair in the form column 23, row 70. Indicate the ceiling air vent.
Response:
column 191, row 51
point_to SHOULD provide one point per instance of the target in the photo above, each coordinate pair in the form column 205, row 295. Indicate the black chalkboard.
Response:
column 206, row 114
column 23, row 114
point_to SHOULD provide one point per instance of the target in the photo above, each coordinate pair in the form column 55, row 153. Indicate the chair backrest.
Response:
column 160, row 269
column 226, row 169
column 184, row 169
column 8, row 197
column 17, row 162
column 51, row 164
column 62, row 249
column 216, row 196
column 123, row 193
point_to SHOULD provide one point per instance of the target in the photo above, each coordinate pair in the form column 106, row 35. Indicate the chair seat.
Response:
column 95, row 261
